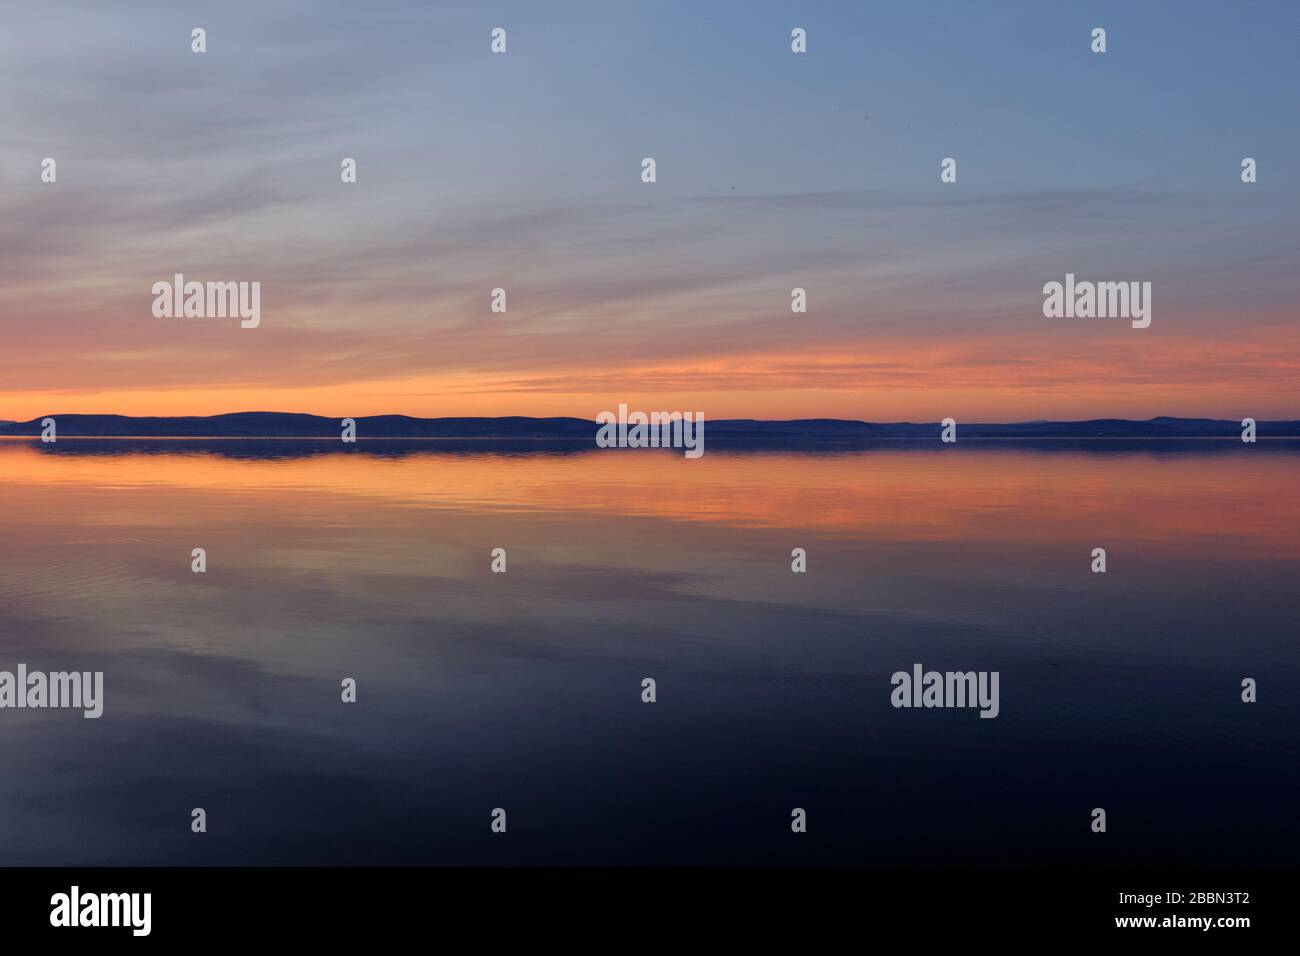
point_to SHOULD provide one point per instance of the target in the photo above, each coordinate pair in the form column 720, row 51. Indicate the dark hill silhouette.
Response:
column 734, row 431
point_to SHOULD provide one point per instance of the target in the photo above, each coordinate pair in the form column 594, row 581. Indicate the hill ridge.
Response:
column 259, row 424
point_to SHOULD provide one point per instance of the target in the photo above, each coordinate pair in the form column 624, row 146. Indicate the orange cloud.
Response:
column 1058, row 372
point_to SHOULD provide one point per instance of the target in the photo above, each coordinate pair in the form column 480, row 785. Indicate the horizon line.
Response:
column 594, row 421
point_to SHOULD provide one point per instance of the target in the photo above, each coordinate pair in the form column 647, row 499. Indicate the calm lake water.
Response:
column 523, row 690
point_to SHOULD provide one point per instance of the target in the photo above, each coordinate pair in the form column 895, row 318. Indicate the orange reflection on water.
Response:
column 1240, row 500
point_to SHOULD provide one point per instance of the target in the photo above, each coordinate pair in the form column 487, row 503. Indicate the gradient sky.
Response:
column 775, row 170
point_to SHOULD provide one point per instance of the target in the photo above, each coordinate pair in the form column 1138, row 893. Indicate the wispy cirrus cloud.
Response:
column 474, row 175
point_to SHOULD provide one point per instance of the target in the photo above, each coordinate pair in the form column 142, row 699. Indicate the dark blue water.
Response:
column 523, row 690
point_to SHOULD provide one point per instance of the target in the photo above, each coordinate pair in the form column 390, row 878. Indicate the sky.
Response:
column 775, row 170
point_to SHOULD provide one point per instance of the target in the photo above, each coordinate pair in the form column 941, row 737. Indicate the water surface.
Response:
column 522, row 690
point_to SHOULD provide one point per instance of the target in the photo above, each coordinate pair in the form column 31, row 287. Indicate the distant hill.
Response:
column 289, row 425
column 741, row 430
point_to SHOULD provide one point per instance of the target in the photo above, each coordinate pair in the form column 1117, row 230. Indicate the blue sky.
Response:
column 774, row 170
